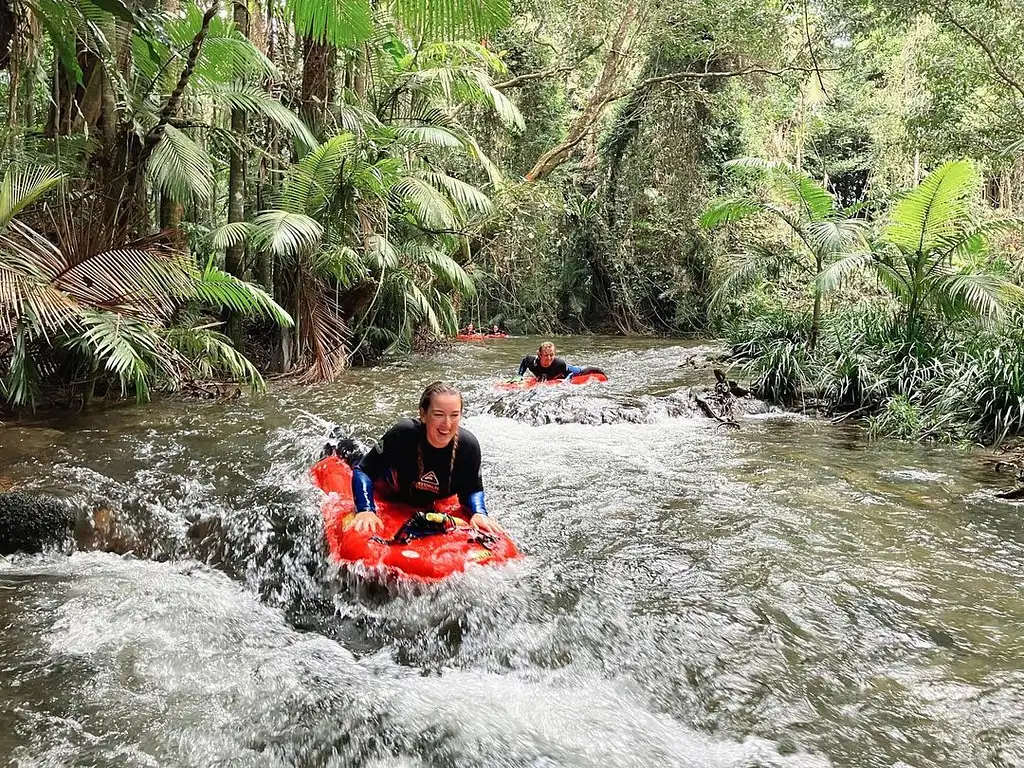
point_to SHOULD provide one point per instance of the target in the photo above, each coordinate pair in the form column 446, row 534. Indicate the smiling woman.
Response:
column 419, row 461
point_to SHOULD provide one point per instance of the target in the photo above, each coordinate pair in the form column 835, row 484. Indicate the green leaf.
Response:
column 467, row 197
column 452, row 19
column 115, row 8
column 934, row 209
column 285, row 233
column 23, row 186
column 430, row 206
column 257, row 101
column 223, row 291
column 342, row 23
column 728, row 211
column 232, row 234
column 180, row 167
column 212, row 355
column 310, row 182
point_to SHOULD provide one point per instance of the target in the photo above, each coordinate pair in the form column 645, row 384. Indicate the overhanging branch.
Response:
column 676, row 77
column 1005, row 76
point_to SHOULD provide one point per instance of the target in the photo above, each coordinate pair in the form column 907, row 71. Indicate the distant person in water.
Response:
column 546, row 366
column 422, row 460
column 470, row 330
column 496, row 330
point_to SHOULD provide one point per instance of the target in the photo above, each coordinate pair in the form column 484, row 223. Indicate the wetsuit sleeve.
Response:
column 373, row 466
column 524, row 365
column 572, row 370
column 362, row 491
column 476, row 503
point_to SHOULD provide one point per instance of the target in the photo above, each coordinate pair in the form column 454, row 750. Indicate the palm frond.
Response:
column 20, row 383
column 430, row 206
column 419, row 305
column 229, row 57
column 323, row 331
column 806, row 194
column 126, row 349
column 231, row 234
column 972, row 243
column 474, row 150
column 342, row 23
column 223, row 291
column 354, row 118
column 255, row 100
column 285, row 233
column 452, row 20
column 342, row 264
column 210, row 355
column 310, row 181
column 834, row 236
column 503, row 107
column 833, row 275
column 980, row 294
column 466, row 196
column 894, row 277
column 30, row 302
column 729, row 210
column 381, row 254
column 445, row 269
column 758, row 164
column 933, row 209
column 180, row 167
column 430, row 135
column 739, row 270
column 142, row 278
column 794, row 185
column 23, row 186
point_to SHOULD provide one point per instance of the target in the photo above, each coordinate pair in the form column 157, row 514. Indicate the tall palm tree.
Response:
column 821, row 230
column 369, row 234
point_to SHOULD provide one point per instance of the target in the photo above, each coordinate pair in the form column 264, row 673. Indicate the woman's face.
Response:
column 441, row 419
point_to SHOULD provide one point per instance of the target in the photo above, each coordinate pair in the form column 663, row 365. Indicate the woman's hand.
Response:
column 485, row 524
column 365, row 522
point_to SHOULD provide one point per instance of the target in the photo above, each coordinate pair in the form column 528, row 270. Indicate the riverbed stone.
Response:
column 31, row 522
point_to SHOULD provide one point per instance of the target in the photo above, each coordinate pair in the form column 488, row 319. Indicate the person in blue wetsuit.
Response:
column 547, row 367
column 422, row 460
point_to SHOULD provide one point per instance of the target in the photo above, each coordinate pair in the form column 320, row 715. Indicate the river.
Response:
column 785, row 594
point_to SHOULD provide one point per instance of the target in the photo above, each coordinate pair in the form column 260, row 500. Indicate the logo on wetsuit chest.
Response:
column 428, row 483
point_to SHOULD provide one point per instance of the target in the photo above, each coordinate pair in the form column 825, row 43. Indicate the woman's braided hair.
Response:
column 439, row 388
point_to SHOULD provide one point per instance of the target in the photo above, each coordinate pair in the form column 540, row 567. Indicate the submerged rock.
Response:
column 550, row 407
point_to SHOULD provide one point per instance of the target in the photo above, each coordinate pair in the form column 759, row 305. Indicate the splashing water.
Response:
column 783, row 595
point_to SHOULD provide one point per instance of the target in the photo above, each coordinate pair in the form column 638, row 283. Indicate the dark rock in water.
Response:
column 33, row 522
column 570, row 408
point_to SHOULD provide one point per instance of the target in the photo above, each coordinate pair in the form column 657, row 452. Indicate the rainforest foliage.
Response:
column 222, row 190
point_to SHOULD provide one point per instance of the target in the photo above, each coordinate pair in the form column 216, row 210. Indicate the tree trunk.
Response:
column 234, row 256
column 172, row 213
column 595, row 105
column 815, row 319
column 317, row 77
column 359, row 75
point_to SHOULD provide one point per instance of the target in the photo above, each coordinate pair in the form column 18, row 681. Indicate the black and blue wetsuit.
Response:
column 419, row 474
column 559, row 369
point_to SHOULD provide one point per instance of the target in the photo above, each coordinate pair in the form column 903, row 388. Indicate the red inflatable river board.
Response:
column 430, row 558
